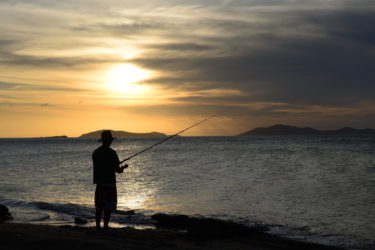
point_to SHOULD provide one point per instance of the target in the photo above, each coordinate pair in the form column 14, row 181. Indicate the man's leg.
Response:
column 98, row 218
column 107, row 217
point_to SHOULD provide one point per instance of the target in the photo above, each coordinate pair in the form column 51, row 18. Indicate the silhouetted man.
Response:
column 106, row 163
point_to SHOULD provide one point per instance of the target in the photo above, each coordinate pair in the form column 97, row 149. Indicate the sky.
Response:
column 69, row 67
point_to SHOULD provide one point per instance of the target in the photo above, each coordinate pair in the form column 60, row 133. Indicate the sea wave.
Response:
column 86, row 212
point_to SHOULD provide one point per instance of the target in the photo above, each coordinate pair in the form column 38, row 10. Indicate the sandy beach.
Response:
column 31, row 236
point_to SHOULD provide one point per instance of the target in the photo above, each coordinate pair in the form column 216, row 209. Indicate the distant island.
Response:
column 54, row 137
column 122, row 134
column 291, row 130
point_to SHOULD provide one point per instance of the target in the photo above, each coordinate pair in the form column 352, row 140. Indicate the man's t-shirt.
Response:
column 105, row 162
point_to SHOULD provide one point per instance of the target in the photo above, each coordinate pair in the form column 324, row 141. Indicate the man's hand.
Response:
column 120, row 169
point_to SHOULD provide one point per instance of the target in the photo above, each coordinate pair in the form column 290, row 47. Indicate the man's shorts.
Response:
column 106, row 197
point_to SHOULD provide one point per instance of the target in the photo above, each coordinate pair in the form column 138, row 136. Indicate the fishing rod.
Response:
column 170, row 137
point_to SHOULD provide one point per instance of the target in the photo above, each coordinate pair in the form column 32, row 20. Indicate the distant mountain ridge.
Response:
column 280, row 129
column 122, row 134
column 54, row 137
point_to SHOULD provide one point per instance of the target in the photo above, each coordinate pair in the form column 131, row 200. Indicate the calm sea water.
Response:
column 319, row 189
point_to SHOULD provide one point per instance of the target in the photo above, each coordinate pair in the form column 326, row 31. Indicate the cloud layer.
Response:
column 295, row 61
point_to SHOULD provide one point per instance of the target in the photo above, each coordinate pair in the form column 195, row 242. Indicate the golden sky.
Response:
column 71, row 67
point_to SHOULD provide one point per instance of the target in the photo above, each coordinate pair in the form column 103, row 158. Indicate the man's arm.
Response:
column 118, row 168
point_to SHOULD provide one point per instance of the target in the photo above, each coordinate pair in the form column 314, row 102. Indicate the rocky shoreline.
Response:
column 172, row 232
column 31, row 236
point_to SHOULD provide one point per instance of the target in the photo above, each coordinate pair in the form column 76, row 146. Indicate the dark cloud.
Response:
column 328, row 60
column 183, row 47
column 10, row 58
column 127, row 29
column 5, row 42
column 36, row 87
column 349, row 25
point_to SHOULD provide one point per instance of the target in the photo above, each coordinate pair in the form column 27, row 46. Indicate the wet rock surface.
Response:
column 80, row 221
column 205, row 228
column 4, row 213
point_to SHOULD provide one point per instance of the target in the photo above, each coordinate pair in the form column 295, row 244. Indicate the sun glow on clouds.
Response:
column 123, row 79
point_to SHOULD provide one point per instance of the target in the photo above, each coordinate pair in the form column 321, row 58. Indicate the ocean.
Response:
column 311, row 188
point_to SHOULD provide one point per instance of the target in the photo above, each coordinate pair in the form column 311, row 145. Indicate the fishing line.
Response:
column 170, row 137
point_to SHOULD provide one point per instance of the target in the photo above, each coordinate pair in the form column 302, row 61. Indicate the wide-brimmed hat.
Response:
column 106, row 136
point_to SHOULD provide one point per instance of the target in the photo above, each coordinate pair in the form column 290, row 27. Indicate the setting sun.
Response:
column 124, row 78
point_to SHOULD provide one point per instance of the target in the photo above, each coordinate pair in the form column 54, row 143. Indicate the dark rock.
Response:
column 80, row 221
column 4, row 213
column 171, row 220
column 205, row 228
column 129, row 212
